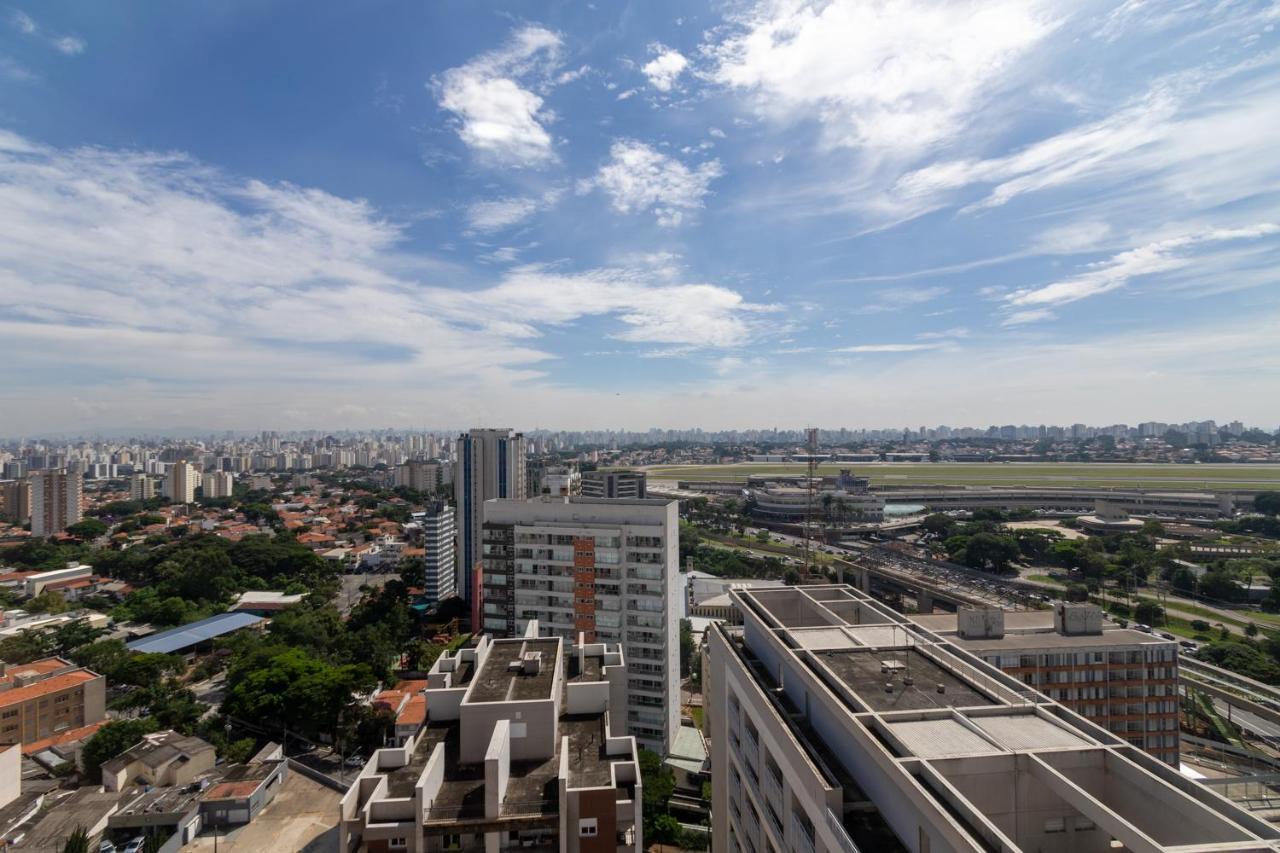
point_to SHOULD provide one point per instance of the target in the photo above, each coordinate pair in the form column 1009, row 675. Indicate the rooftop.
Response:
column 504, row 677
column 863, row 671
column 176, row 639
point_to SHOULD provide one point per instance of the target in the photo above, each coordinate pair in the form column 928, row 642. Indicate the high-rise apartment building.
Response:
column 614, row 484
column 180, row 482
column 839, row 725
column 488, row 464
column 509, row 744
column 141, row 487
column 56, row 497
column 605, row 569
column 218, row 484
column 420, row 476
column 1124, row 680
column 15, row 500
column 437, row 527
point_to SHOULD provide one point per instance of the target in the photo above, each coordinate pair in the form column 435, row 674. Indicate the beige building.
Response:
column 160, row 759
column 141, row 487
column 46, row 697
column 420, row 476
column 840, row 725
column 1126, row 681
column 180, row 483
column 518, row 750
column 218, row 484
column 56, row 499
column 15, row 501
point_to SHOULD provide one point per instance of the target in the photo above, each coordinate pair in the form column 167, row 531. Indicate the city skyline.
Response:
column 679, row 213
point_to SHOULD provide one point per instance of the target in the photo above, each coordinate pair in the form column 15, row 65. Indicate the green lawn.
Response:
column 1183, row 477
column 696, row 712
column 1046, row 579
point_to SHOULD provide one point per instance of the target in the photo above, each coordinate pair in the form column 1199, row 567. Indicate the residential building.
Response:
column 46, row 697
column 180, row 483
column 56, row 498
column 35, row 584
column 560, row 480
column 420, row 476
column 218, row 484
column 437, row 527
column 603, row 568
column 15, row 501
column 1124, row 680
column 141, row 487
column 160, row 759
column 489, row 463
column 614, row 484
column 840, row 725
column 518, row 749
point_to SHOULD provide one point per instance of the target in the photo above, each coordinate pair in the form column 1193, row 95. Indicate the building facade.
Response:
column 46, row 697
column 180, row 483
column 518, row 749
column 218, row 484
column 840, row 725
column 141, row 487
column 1123, row 680
column 15, row 500
column 488, row 464
column 56, row 500
column 614, row 484
column 420, row 476
column 439, row 532
column 602, row 568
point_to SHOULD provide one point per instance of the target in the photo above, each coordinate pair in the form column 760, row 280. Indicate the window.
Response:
column 587, row 828
column 1055, row 824
column 398, row 843
column 451, row 841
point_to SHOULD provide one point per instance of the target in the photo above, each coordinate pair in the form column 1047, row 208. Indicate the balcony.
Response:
column 802, row 836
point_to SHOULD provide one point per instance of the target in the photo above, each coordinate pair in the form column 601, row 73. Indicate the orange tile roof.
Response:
column 43, row 665
column 412, row 685
column 233, row 790
column 414, row 712
column 69, row 736
column 66, row 681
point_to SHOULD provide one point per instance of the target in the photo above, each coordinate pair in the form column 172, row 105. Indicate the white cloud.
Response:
column 901, row 77
column 153, row 275
column 639, row 178
column 898, row 298
column 496, row 115
column 1165, row 255
column 495, row 215
column 70, row 45
column 11, row 69
column 22, row 22
column 664, row 69
column 889, row 348
column 955, row 332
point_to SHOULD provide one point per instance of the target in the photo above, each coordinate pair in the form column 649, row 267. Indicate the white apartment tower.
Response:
column 488, row 464
column 56, row 497
column 180, row 483
column 141, row 487
column 218, row 484
column 603, row 569
column 438, row 532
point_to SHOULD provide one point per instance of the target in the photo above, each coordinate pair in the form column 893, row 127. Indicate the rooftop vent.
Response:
column 532, row 663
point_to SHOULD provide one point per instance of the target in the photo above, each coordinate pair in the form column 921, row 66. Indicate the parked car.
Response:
column 135, row 845
column 105, row 846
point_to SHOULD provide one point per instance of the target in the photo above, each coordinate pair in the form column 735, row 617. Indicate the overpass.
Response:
column 930, row 582
column 1135, row 501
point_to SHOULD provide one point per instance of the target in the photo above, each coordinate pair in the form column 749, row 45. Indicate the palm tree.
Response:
column 77, row 841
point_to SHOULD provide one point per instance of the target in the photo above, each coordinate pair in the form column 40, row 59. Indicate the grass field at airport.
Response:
column 1184, row 478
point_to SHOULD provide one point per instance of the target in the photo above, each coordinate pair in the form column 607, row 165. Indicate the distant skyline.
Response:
column 288, row 215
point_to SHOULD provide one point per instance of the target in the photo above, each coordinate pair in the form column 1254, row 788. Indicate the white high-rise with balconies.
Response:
column 606, row 569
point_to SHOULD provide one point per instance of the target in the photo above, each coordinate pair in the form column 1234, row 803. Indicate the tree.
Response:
column 991, row 552
column 659, row 783
column 1267, row 503
column 89, row 528
column 1242, row 657
column 686, row 647
column 1221, row 586
column 1149, row 613
column 77, row 841
column 109, row 741
column 791, row 578
column 26, row 646
column 48, row 601
column 1250, row 630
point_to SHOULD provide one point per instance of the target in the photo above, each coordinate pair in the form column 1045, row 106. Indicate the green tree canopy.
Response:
column 111, row 740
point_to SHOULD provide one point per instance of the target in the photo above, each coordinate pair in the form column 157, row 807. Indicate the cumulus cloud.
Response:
column 665, row 69
column 638, row 178
column 156, row 268
column 497, row 214
column 70, row 45
column 497, row 113
column 903, row 76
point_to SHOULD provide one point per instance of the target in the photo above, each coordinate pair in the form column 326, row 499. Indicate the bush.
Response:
column 1199, row 625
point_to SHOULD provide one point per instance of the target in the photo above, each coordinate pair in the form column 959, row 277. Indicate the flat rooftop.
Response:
column 860, row 671
column 1053, row 640
column 498, row 681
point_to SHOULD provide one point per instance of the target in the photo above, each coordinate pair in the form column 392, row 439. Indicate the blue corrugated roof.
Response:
column 197, row 632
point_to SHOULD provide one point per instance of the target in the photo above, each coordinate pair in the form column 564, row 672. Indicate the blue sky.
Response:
column 279, row 215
